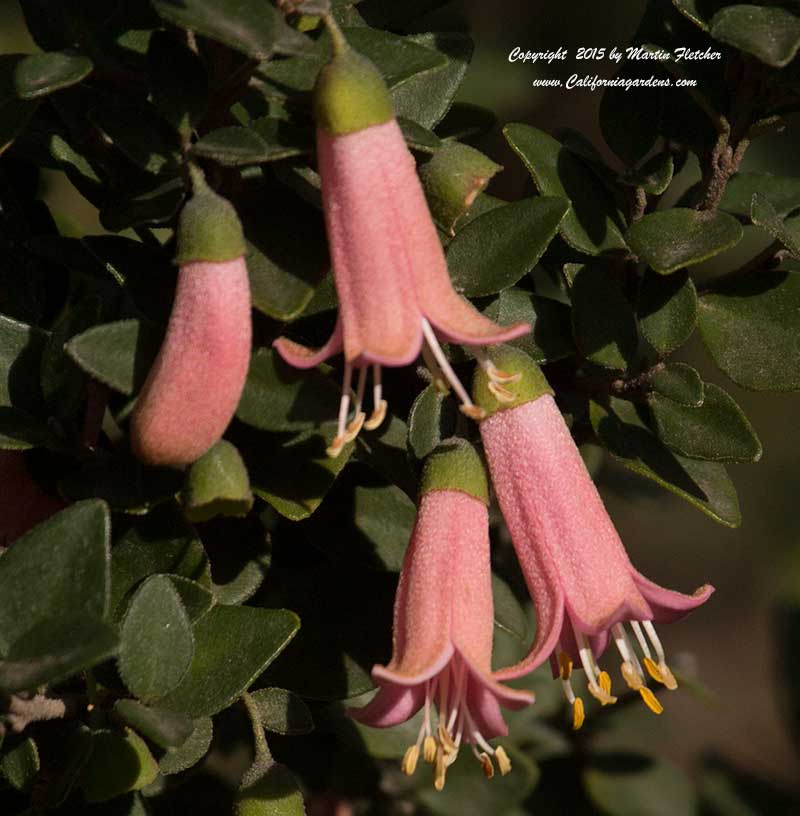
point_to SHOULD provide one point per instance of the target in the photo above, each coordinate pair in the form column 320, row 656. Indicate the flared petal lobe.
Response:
column 195, row 384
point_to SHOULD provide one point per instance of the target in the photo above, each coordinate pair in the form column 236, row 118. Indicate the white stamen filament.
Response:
column 360, row 389
column 651, row 633
column 637, row 630
column 344, row 402
column 444, row 364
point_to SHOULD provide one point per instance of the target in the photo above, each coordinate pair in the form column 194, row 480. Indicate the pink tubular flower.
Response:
column 23, row 504
column 395, row 294
column 583, row 585
column 195, row 384
column 443, row 624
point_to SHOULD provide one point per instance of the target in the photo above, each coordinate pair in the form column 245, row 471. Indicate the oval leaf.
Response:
column 667, row 309
column 772, row 34
column 680, row 383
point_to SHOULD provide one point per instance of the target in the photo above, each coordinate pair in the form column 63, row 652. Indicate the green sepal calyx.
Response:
column 456, row 465
column 350, row 94
column 208, row 227
column 499, row 394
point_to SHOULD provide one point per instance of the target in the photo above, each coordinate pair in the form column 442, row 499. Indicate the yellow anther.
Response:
column 502, row 394
column 632, row 676
column 503, row 762
column 473, row 412
column 446, row 740
column 650, row 700
column 486, row 764
column 336, row 447
column 604, row 682
column 565, row 665
column 354, row 428
column 429, row 749
column 600, row 695
column 669, row 678
column 440, row 769
column 378, row 415
column 578, row 714
column 409, row 764
column 652, row 669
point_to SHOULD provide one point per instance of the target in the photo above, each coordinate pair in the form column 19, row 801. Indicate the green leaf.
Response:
column 630, row 118
column 165, row 728
column 277, row 397
column 467, row 791
column 496, row 249
column 282, row 712
column 214, row 681
column 21, row 349
column 196, row 599
column 433, row 418
column 284, row 273
column 75, row 747
column 137, row 131
column 265, row 140
column 667, row 309
column 670, row 239
column 177, row 760
column 55, row 649
column 156, row 205
column 654, row 177
column 178, row 80
column 256, row 29
column 418, row 137
column 397, row 58
column 157, row 645
column 41, row 74
column 21, row 431
column 782, row 192
column 217, row 484
column 706, row 485
column 590, row 226
column 551, row 337
column 274, row 794
column 161, row 542
column 603, row 322
column 635, row 785
column 119, row 763
column 20, row 766
column 787, row 232
column 67, row 559
column 680, row 383
column 744, row 323
column 427, row 97
column 772, row 34
column 508, row 614
column 118, row 354
column 717, row 431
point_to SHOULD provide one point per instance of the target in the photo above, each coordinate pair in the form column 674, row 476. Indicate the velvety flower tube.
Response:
column 444, row 622
column 194, row 386
column 23, row 504
column 583, row 585
column 394, row 290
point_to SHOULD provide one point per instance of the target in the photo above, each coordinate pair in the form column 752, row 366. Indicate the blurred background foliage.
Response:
column 734, row 733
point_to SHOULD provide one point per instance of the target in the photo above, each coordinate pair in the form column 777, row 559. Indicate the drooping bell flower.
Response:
column 196, row 381
column 23, row 504
column 584, row 587
column 395, row 294
column 443, row 625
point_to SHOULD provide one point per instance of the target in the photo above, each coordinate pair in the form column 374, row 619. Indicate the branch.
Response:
column 24, row 711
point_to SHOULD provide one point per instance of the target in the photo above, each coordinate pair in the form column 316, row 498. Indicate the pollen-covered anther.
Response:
column 653, row 670
column 503, row 762
column 564, row 665
column 502, row 394
column 578, row 714
column 599, row 694
column 336, row 447
column 631, row 676
column 650, row 700
column 668, row 677
column 446, row 740
column 486, row 764
column 409, row 764
column 473, row 412
column 377, row 416
column 440, row 769
column 354, row 427
column 429, row 749
column 604, row 681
